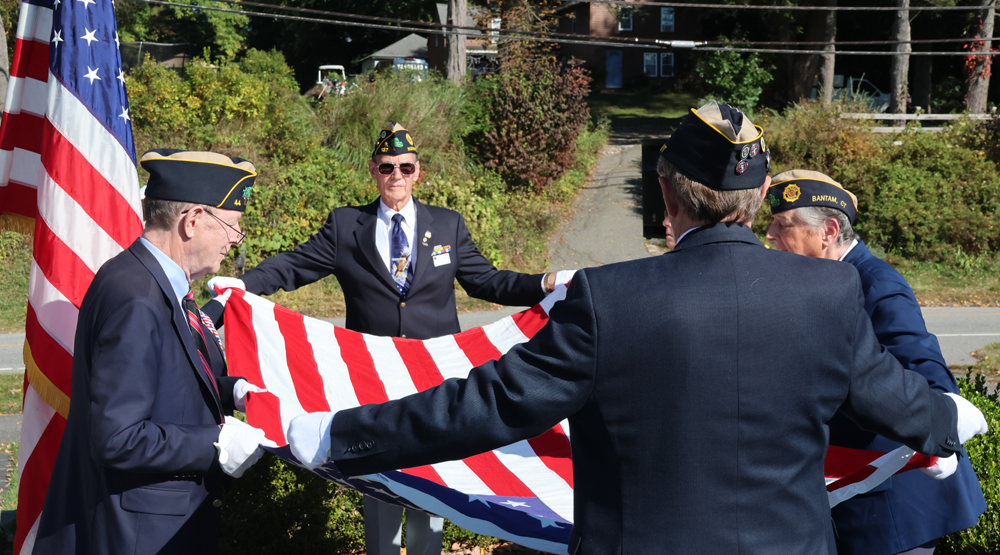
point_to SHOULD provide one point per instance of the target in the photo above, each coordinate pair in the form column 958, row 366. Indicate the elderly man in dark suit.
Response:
column 814, row 216
column 397, row 260
column 150, row 438
column 697, row 384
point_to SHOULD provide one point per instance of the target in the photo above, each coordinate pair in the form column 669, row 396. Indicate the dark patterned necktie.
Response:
column 198, row 331
column 402, row 270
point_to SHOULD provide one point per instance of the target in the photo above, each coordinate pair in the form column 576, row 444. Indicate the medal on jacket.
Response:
column 399, row 266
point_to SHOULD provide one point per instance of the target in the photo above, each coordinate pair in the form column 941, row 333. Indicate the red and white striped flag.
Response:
column 522, row 492
column 66, row 160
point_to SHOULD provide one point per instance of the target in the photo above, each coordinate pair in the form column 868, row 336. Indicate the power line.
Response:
column 505, row 32
column 580, row 39
column 784, row 8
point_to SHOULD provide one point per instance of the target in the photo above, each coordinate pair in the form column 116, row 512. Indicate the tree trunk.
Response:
column 4, row 65
column 802, row 67
column 456, row 42
column 978, row 81
column 826, row 65
column 901, row 62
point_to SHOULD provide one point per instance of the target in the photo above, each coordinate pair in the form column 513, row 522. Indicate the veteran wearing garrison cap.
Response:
column 696, row 383
column 397, row 260
column 814, row 216
column 150, row 441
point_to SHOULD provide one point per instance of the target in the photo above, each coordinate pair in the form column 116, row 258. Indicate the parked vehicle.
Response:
column 331, row 79
column 858, row 89
column 418, row 66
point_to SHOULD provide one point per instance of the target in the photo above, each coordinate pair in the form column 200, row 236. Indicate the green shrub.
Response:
column 280, row 508
column 735, row 78
column 984, row 454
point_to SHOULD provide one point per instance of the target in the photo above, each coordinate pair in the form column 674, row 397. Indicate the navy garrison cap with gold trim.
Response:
column 719, row 147
column 799, row 188
column 393, row 140
column 200, row 177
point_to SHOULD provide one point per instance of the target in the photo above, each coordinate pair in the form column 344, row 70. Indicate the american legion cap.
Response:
column 799, row 188
column 719, row 147
column 393, row 140
column 201, row 177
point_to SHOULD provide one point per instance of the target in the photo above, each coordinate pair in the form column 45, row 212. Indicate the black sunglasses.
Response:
column 239, row 234
column 405, row 169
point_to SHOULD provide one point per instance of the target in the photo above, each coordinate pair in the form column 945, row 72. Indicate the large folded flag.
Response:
column 521, row 493
column 66, row 160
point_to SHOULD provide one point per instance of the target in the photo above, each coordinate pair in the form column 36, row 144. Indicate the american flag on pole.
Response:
column 66, row 160
column 521, row 493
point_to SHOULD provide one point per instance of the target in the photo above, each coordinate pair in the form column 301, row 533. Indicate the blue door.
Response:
column 613, row 66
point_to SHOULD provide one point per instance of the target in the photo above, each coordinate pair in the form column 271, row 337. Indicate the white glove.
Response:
column 308, row 437
column 563, row 276
column 970, row 421
column 241, row 389
column 218, row 283
column 239, row 446
column 945, row 466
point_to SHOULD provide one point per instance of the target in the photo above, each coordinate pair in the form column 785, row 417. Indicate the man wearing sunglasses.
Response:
column 397, row 260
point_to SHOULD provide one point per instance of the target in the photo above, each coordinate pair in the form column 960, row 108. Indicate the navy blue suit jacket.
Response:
column 137, row 471
column 910, row 509
column 697, row 385
column 345, row 247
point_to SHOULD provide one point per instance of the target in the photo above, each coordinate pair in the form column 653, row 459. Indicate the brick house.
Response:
column 619, row 67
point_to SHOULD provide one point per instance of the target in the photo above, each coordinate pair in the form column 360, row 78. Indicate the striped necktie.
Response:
column 198, row 331
column 402, row 270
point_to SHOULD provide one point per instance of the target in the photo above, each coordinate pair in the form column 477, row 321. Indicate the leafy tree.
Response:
column 734, row 78
column 224, row 34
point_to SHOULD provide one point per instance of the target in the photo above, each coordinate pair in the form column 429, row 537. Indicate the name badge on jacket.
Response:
column 441, row 255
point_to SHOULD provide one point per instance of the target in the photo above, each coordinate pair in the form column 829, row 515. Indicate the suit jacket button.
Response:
column 403, row 336
column 371, row 444
column 402, row 305
column 950, row 441
column 217, row 503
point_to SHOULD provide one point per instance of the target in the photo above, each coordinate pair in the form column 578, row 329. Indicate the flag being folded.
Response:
column 522, row 492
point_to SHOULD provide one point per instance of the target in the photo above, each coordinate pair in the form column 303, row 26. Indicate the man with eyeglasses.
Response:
column 397, row 260
column 150, row 441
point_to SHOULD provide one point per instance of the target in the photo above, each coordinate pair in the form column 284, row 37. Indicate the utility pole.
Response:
column 457, row 63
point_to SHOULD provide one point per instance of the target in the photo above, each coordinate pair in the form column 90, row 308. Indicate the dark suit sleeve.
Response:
column 482, row 280
column 309, row 262
column 226, row 384
column 899, row 325
column 897, row 403
column 530, row 389
column 123, row 385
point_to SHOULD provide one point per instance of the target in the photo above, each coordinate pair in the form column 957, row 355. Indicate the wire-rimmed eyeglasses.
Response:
column 239, row 234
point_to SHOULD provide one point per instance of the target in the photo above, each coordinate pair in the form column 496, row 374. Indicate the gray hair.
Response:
column 814, row 216
column 161, row 214
column 709, row 206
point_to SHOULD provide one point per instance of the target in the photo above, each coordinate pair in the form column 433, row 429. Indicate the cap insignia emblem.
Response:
column 792, row 193
column 742, row 166
column 745, row 152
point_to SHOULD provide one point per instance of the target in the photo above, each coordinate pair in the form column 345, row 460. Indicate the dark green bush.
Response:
column 984, row 454
column 735, row 78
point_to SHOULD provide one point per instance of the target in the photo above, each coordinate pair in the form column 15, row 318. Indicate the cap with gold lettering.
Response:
column 719, row 147
column 201, row 177
column 394, row 140
column 798, row 188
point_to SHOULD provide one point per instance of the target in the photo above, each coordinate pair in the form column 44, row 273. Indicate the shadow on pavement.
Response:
column 630, row 130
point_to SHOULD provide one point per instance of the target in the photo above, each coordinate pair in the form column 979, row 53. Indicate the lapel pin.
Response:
column 427, row 236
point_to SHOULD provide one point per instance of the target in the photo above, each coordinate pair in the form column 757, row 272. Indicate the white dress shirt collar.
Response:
column 175, row 274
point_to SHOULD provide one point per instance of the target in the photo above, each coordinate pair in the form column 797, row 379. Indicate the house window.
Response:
column 649, row 64
column 625, row 19
column 666, row 20
column 667, row 64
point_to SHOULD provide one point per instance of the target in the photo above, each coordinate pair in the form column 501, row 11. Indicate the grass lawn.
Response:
column 640, row 104
column 11, row 393
column 987, row 362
